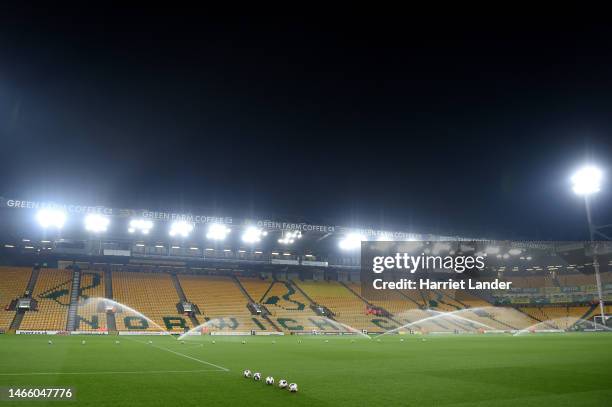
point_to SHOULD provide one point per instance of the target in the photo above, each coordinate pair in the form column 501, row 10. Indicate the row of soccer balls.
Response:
column 282, row 383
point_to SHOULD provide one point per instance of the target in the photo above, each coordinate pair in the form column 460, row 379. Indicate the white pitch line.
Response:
column 185, row 356
column 117, row 372
column 191, row 357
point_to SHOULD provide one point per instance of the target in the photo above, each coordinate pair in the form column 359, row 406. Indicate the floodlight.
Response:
column 289, row 237
column 492, row 250
column 217, row 232
column 438, row 247
column 253, row 234
column 515, row 252
column 141, row 225
column 51, row 218
column 180, row 228
column 96, row 223
column 587, row 180
column 351, row 241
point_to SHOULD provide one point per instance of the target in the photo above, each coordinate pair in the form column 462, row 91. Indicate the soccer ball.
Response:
column 293, row 387
column 243, row 342
column 269, row 380
column 82, row 342
column 117, row 342
column 247, row 373
column 257, row 377
column 50, row 342
column 282, row 383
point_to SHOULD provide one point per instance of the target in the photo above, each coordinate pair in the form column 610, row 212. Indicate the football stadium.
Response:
column 108, row 301
column 198, row 210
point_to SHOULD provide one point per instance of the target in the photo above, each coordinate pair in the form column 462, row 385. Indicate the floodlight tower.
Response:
column 586, row 182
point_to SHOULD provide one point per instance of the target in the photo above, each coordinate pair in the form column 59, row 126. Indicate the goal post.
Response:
column 602, row 321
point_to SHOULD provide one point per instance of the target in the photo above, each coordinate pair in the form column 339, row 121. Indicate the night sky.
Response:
column 436, row 126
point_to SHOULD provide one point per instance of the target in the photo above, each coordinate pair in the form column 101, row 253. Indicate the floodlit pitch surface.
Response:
column 530, row 370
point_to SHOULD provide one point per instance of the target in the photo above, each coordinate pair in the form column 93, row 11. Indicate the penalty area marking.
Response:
column 185, row 356
column 117, row 372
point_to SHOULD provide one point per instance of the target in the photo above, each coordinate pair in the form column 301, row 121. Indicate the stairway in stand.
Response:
column 74, row 299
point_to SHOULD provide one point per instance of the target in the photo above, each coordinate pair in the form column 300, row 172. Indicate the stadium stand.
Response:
column 470, row 300
column 13, row 283
column 290, row 305
column 219, row 299
column 395, row 303
column 154, row 295
column 536, row 312
column 439, row 301
column 415, row 296
column 560, row 317
column 347, row 307
column 90, row 316
column 536, row 281
column 287, row 305
column 280, row 297
column 478, row 309
column 52, row 292
column 256, row 287
column 578, row 279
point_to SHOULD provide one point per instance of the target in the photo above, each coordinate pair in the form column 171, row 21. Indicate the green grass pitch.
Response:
column 482, row 370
